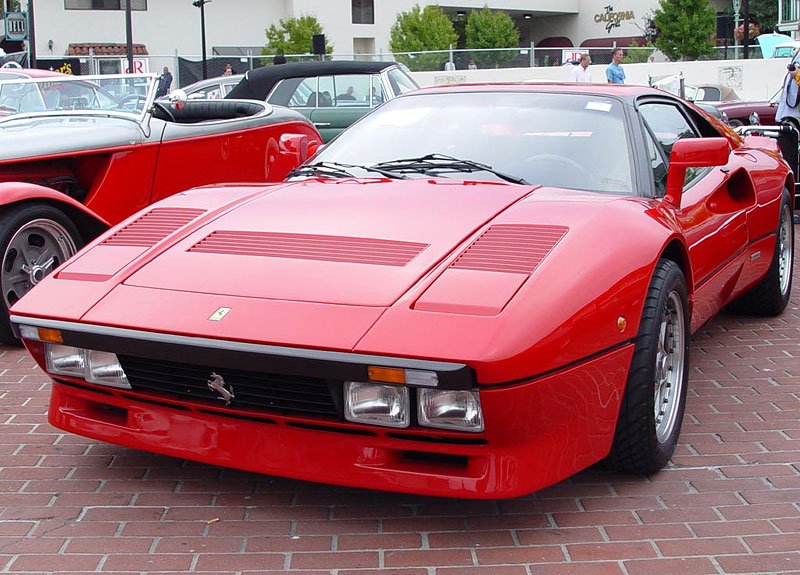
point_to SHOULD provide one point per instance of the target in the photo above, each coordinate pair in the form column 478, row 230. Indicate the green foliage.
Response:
column 491, row 29
column 419, row 30
column 762, row 12
column 685, row 28
column 293, row 36
column 638, row 54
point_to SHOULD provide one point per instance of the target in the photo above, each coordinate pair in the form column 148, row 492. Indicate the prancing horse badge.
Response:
column 219, row 314
column 216, row 383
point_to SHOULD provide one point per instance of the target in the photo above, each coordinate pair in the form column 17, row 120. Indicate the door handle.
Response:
column 322, row 124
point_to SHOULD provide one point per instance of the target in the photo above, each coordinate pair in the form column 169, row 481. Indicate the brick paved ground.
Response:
column 728, row 504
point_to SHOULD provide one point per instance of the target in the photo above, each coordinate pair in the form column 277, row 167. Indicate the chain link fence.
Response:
column 188, row 69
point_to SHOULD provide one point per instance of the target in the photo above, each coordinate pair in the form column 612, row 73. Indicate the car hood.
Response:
column 343, row 242
column 22, row 138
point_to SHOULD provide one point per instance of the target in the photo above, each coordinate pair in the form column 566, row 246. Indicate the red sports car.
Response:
column 80, row 154
column 475, row 291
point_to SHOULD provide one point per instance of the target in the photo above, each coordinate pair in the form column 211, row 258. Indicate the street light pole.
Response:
column 746, row 28
column 31, row 36
column 128, row 36
column 201, row 4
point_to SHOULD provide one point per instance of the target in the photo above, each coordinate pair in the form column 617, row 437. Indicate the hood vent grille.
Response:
column 152, row 227
column 510, row 248
column 310, row 247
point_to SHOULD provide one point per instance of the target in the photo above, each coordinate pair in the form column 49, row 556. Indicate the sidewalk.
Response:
column 728, row 504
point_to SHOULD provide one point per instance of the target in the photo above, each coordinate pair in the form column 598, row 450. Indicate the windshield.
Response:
column 560, row 140
column 125, row 94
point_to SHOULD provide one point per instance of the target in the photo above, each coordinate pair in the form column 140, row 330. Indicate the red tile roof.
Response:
column 100, row 49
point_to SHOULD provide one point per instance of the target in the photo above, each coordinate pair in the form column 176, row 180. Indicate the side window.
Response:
column 326, row 91
column 376, row 92
column 668, row 125
column 295, row 93
column 351, row 90
column 657, row 164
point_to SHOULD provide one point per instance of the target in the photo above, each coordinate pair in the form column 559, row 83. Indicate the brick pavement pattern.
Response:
column 727, row 504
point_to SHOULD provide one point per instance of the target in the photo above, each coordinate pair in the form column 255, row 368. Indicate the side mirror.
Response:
column 693, row 153
column 295, row 146
column 177, row 98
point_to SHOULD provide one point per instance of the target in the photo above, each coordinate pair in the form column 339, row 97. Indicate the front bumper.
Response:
column 537, row 433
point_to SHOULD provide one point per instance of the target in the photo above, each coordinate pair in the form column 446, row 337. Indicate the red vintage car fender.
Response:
column 17, row 192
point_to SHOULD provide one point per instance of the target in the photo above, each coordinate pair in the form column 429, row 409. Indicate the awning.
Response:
column 555, row 42
column 621, row 42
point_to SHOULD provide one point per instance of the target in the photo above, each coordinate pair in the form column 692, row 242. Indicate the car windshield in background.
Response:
column 109, row 93
column 571, row 141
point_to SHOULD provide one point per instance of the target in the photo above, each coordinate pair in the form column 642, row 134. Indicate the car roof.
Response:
column 257, row 83
column 623, row 91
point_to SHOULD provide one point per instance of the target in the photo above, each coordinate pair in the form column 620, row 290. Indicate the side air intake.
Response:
column 152, row 227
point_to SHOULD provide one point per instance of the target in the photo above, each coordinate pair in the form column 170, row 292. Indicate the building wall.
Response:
column 174, row 25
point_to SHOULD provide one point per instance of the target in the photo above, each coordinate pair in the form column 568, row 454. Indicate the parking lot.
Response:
column 729, row 503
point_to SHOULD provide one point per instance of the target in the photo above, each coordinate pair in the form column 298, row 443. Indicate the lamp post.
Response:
column 746, row 28
column 200, row 4
column 737, row 4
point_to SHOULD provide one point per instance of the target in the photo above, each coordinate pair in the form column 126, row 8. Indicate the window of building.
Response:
column 363, row 12
column 103, row 4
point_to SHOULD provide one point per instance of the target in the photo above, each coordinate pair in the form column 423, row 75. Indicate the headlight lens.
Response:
column 450, row 409
column 65, row 360
column 376, row 404
column 104, row 368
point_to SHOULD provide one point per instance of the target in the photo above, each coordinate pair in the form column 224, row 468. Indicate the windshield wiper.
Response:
column 338, row 170
column 443, row 162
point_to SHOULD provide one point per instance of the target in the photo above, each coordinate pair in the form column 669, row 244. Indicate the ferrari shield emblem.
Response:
column 219, row 314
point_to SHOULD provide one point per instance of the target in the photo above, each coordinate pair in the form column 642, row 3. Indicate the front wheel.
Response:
column 652, row 408
column 34, row 240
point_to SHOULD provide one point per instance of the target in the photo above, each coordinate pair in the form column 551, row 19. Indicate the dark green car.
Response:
column 332, row 95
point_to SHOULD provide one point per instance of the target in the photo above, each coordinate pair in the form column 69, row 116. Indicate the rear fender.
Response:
column 89, row 223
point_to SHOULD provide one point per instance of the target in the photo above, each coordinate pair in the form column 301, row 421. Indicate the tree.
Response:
column 293, row 36
column 685, row 28
column 491, row 29
column 762, row 12
column 420, row 30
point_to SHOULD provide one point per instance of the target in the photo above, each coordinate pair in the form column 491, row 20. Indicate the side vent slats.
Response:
column 510, row 248
column 152, row 227
column 310, row 247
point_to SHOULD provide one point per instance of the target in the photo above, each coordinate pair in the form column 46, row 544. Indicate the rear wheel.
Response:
column 34, row 240
column 771, row 295
column 652, row 408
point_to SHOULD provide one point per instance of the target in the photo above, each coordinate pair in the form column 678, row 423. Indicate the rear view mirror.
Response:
column 693, row 153
column 294, row 146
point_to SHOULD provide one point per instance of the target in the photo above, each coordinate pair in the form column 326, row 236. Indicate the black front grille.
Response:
column 252, row 390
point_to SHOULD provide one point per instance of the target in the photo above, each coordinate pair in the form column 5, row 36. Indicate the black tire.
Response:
column 644, row 441
column 34, row 240
column 770, row 296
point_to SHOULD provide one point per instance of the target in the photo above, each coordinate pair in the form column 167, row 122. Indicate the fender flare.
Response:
column 89, row 223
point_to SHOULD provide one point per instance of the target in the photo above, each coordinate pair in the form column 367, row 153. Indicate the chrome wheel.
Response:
column 669, row 368
column 784, row 248
column 35, row 250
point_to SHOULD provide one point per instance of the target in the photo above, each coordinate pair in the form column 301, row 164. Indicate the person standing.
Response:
column 581, row 73
column 164, row 83
column 228, row 70
column 790, row 95
column 614, row 73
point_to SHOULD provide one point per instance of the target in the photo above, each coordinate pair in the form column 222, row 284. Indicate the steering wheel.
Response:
column 558, row 170
column 130, row 102
column 163, row 108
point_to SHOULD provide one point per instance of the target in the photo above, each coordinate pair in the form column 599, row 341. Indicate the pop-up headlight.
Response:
column 376, row 404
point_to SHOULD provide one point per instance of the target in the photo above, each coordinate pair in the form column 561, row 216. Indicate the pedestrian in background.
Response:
column 228, row 70
column 164, row 83
column 614, row 73
column 581, row 72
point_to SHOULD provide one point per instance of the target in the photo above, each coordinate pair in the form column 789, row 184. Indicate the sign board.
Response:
column 140, row 66
column 16, row 26
column 572, row 55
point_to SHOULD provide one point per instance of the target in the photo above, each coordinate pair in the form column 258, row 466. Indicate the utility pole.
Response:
column 129, row 36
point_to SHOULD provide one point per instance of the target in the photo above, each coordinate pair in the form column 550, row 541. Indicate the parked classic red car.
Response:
column 475, row 291
column 79, row 154
column 741, row 112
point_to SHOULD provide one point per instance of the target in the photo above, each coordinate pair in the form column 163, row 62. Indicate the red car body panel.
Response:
column 374, row 270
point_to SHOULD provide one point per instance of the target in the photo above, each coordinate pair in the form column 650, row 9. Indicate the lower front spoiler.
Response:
column 538, row 433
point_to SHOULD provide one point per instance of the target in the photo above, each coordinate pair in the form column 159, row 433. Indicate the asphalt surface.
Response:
column 728, row 503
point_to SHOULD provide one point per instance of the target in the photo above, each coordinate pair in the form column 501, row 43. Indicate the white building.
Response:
column 354, row 27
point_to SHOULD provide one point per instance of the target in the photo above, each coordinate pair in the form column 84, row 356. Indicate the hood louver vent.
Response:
column 510, row 248
column 152, row 227
column 310, row 247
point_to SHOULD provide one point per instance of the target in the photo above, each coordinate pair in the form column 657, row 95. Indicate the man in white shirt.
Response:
column 581, row 73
